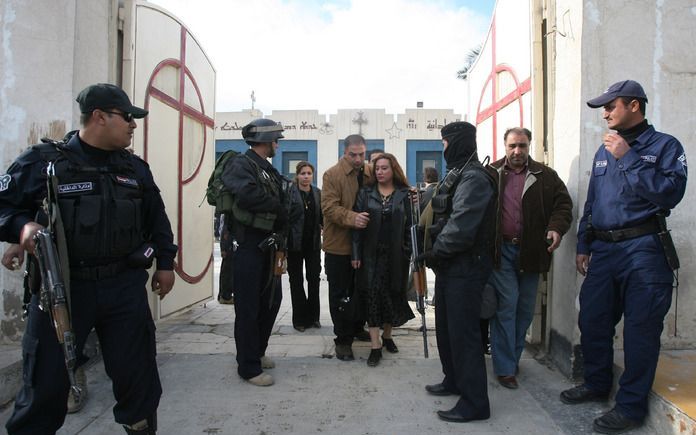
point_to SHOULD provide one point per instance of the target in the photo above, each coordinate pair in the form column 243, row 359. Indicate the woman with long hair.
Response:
column 380, row 253
column 304, row 246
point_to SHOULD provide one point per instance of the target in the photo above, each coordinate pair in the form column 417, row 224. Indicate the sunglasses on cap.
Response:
column 128, row 117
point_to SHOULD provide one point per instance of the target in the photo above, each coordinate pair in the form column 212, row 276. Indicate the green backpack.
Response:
column 216, row 194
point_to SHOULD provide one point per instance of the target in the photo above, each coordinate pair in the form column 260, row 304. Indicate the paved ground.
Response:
column 317, row 394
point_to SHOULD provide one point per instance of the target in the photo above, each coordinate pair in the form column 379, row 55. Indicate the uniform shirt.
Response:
column 23, row 188
column 649, row 178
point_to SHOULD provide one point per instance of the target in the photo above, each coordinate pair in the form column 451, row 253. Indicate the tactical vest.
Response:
column 259, row 220
column 101, row 208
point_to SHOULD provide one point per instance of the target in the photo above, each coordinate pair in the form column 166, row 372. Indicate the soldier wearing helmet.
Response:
column 258, row 218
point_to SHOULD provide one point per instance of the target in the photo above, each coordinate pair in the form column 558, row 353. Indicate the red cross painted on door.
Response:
column 497, row 103
column 178, row 103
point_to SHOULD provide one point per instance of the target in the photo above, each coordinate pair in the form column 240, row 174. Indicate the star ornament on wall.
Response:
column 394, row 132
column 326, row 128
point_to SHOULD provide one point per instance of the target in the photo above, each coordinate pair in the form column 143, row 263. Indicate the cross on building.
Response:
column 360, row 121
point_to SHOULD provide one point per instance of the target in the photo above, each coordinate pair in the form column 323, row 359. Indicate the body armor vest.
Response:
column 259, row 220
column 101, row 208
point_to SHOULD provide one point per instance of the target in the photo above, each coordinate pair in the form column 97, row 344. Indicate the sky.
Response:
column 339, row 54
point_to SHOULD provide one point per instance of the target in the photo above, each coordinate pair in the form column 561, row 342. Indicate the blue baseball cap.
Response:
column 626, row 88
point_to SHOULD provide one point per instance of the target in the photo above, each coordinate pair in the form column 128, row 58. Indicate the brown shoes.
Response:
column 508, row 382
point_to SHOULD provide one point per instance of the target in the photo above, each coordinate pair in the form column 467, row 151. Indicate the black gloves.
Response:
column 436, row 228
column 429, row 258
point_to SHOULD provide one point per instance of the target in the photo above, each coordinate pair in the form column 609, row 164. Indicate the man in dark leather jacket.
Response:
column 462, row 263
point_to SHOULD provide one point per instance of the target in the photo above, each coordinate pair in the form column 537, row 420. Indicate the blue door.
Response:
column 420, row 154
column 290, row 152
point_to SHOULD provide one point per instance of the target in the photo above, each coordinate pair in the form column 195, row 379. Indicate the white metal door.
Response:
column 167, row 72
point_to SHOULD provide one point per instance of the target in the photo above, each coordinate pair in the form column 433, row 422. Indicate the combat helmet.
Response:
column 262, row 131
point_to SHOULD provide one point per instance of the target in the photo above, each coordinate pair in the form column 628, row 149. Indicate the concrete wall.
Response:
column 565, row 104
column 49, row 51
column 596, row 44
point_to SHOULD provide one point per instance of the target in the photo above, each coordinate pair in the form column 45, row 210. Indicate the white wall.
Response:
column 507, row 50
column 566, row 108
column 422, row 124
column 598, row 43
column 49, row 51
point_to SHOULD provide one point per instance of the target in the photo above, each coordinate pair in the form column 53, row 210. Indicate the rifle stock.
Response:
column 54, row 301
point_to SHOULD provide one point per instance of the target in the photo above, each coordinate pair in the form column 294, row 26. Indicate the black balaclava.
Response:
column 461, row 137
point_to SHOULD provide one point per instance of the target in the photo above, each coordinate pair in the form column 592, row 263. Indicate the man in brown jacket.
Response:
column 534, row 211
column 340, row 186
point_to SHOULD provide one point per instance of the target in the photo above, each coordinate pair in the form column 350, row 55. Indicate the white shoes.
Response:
column 262, row 380
column 267, row 363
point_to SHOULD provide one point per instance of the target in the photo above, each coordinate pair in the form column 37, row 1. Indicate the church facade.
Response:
column 413, row 136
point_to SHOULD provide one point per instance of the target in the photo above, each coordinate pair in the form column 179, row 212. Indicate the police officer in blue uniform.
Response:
column 463, row 219
column 626, row 254
column 113, row 217
column 258, row 224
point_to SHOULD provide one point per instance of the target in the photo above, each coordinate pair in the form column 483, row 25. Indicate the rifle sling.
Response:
column 56, row 224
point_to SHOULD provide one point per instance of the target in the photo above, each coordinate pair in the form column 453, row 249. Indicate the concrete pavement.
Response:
column 315, row 392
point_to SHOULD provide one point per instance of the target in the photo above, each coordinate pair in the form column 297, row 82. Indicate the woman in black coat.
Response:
column 304, row 245
column 381, row 253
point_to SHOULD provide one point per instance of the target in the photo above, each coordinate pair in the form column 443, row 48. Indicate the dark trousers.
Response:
column 117, row 309
column 254, row 312
column 226, row 276
column 344, row 315
column 458, row 289
column 305, row 308
column 629, row 278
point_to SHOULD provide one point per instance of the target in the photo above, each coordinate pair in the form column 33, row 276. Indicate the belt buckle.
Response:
column 515, row 240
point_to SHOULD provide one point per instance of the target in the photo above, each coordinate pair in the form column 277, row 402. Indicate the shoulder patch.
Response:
column 682, row 159
column 5, row 182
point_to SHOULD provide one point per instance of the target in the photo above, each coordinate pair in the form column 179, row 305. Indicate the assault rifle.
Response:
column 418, row 269
column 53, row 300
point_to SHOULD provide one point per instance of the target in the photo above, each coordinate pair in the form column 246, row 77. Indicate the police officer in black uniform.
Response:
column 113, row 216
column 462, row 234
column 259, row 227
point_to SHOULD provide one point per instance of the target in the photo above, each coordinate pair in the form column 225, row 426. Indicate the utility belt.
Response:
column 261, row 221
column 655, row 225
column 649, row 227
column 96, row 273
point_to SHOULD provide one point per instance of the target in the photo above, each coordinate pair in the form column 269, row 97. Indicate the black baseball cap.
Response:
column 107, row 96
column 626, row 88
